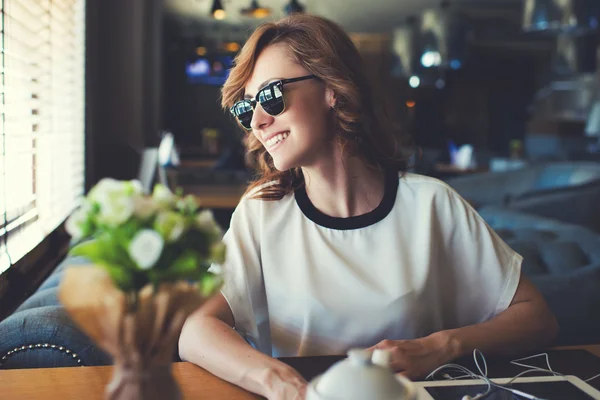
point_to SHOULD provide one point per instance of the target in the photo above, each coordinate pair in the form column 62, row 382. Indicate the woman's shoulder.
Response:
column 425, row 190
column 425, row 185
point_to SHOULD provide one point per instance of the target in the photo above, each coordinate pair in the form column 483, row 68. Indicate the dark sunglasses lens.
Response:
column 246, row 119
column 271, row 99
column 243, row 112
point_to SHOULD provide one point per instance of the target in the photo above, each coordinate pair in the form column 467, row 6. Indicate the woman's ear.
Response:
column 330, row 98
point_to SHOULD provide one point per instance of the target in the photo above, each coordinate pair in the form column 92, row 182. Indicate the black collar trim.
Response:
column 391, row 183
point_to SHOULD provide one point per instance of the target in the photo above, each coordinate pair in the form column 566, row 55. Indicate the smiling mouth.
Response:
column 275, row 140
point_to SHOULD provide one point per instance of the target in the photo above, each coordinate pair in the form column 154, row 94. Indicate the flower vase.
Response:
column 140, row 330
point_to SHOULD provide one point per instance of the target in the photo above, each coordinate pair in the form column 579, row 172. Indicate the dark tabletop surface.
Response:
column 580, row 363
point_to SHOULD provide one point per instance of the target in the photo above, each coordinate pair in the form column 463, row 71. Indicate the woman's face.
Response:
column 302, row 134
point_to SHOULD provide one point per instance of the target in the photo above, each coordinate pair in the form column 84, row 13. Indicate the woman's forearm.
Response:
column 523, row 327
column 216, row 347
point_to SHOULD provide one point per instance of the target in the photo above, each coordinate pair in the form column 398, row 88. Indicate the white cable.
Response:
column 541, row 369
column 533, row 370
column 468, row 373
column 475, row 353
column 592, row 378
column 483, row 374
column 515, row 362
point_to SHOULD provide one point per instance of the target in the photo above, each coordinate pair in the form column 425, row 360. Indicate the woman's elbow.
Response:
column 547, row 326
column 551, row 327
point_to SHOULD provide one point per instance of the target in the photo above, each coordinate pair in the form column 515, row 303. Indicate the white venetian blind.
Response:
column 42, row 120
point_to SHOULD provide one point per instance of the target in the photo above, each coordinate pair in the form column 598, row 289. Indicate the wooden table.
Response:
column 453, row 169
column 88, row 382
column 216, row 196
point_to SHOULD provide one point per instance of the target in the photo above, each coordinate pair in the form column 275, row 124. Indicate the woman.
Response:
column 334, row 247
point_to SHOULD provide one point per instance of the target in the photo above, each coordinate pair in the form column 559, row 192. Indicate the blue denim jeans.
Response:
column 44, row 337
column 41, row 334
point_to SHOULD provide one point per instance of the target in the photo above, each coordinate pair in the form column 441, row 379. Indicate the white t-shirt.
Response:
column 301, row 283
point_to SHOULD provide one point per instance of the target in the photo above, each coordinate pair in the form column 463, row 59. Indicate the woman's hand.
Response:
column 417, row 358
column 285, row 383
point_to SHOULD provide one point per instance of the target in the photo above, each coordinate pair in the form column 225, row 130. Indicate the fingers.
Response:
column 412, row 374
column 407, row 374
column 388, row 344
column 385, row 345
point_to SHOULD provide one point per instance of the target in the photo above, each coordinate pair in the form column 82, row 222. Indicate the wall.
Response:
column 123, row 106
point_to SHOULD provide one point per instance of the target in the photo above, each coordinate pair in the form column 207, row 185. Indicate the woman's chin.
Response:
column 281, row 167
column 283, row 164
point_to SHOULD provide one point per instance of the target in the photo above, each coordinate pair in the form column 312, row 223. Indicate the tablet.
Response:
column 542, row 387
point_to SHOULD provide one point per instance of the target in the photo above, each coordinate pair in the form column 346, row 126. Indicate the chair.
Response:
column 563, row 262
column 566, row 191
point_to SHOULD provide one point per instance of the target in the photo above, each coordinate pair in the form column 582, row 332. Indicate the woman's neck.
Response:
column 344, row 187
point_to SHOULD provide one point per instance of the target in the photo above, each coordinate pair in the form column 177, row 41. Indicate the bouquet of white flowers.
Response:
column 140, row 239
column 150, row 258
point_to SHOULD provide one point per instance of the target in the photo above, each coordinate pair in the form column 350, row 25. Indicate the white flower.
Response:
column 163, row 196
column 76, row 223
column 115, row 208
column 205, row 222
column 106, row 185
column 115, row 200
column 145, row 248
column 144, row 207
column 170, row 225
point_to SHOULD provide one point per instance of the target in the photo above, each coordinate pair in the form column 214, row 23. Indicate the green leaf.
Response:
column 114, row 249
column 90, row 249
column 217, row 252
column 210, row 283
column 187, row 266
column 188, row 262
column 121, row 277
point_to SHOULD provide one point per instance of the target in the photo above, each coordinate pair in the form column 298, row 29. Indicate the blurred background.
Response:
column 500, row 76
column 501, row 96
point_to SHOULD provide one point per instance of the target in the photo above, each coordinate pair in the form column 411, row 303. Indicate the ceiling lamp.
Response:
column 561, row 16
column 256, row 11
column 293, row 7
column 442, row 39
column 217, row 10
column 404, row 47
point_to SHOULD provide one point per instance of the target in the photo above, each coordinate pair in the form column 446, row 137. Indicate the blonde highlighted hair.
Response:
column 323, row 48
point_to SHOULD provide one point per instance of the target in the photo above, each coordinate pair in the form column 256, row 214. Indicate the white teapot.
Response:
column 363, row 375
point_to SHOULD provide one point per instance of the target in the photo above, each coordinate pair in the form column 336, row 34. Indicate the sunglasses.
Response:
column 270, row 99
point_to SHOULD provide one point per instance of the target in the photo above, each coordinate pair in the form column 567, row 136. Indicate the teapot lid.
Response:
column 362, row 376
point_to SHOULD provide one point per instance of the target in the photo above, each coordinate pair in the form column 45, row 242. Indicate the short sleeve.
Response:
column 479, row 273
column 243, row 279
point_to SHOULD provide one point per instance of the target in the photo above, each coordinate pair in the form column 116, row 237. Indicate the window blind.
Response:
column 42, row 120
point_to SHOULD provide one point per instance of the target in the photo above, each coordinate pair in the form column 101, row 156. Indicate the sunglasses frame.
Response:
column 253, row 102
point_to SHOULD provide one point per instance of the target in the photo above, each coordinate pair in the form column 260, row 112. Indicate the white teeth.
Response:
column 276, row 139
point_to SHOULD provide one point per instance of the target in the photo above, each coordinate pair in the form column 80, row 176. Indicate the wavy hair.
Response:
column 363, row 127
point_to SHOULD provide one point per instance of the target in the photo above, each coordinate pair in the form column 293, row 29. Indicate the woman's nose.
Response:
column 261, row 119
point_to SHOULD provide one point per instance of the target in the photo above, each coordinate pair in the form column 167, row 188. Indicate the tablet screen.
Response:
column 544, row 390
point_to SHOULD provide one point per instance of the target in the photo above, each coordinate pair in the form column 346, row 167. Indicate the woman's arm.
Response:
column 526, row 325
column 208, row 340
